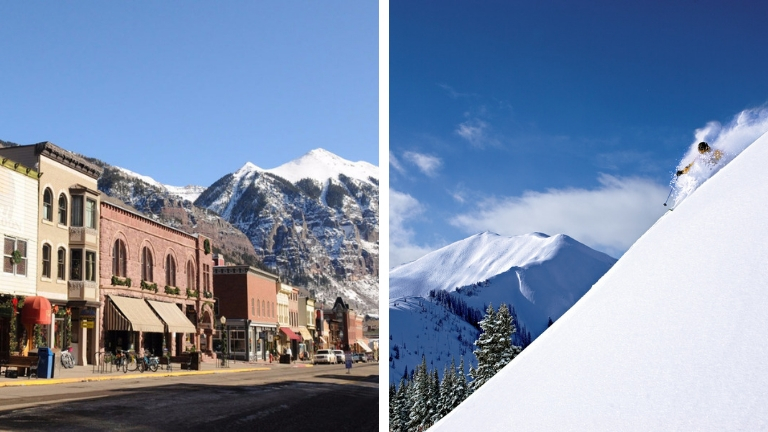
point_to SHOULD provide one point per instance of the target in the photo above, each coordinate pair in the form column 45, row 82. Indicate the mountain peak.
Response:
column 320, row 165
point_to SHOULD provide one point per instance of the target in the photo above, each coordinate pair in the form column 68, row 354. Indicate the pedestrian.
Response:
column 348, row 360
column 290, row 355
column 708, row 155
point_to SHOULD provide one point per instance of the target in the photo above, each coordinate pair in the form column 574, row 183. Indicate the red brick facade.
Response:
column 163, row 264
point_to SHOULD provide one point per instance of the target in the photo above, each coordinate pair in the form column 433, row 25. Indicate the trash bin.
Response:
column 285, row 358
column 44, row 363
column 195, row 361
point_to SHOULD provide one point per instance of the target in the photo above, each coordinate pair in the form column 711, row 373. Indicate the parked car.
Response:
column 324, row 356
column 359, row 357
column 339, row 356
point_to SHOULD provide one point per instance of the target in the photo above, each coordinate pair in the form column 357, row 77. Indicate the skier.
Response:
column 712, row 157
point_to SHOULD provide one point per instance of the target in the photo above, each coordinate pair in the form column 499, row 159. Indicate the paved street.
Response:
column 244, row 397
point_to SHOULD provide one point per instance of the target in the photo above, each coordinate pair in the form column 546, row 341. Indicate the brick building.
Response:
column 156, row 284
column 247, row 299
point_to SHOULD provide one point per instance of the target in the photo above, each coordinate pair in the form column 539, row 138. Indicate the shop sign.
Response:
column 87, row 324
column 88, row 312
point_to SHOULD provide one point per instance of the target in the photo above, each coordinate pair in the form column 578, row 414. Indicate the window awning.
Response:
column 131, row 314
column 173, row 317
column 364, row 346
column 305, row 334
column 288, row 332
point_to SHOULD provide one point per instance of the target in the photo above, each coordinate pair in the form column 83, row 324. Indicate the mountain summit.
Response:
column 540, row 276
column 671, row 338
column 314, row 220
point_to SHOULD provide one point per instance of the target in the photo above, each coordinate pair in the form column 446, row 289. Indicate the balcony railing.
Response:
column 83, row 290
column 83, row 235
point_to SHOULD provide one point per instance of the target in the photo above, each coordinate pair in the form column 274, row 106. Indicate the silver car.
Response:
column 324, row 356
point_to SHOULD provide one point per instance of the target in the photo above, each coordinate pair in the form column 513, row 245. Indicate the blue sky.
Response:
column 188, row 91
column 557, row 116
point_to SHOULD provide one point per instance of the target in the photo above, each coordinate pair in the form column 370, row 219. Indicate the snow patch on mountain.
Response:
column 321, row 165
column 189, row 193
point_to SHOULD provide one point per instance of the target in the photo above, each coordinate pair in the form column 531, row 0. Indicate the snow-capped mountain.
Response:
column 315, row 219
column 540, row 276
column 171, row 206
column 671, row 338
column 189, row 192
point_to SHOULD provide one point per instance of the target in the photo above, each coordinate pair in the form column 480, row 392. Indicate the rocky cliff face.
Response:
column 168, row 206
column 315, row 220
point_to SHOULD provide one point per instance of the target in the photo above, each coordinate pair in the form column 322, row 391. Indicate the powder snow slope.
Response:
column 321, row 165
column 673, row 337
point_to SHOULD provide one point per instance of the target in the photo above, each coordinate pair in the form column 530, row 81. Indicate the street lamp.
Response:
column 225, row 341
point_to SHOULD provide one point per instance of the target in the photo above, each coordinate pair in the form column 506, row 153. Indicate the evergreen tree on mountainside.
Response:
column 447, row 387
column 399, row 421
column 494, row 346
column 418, row 398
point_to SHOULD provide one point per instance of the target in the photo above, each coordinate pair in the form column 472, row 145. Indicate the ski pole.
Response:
column 670, row 194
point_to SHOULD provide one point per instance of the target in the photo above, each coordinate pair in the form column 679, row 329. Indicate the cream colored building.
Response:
column 67, row 243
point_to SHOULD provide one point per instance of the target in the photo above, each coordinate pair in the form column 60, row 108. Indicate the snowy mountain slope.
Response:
column 189, row 193
column 671, row 338
column 540, row 276
column 426, row 328
column 321, row 165
column 317, row 231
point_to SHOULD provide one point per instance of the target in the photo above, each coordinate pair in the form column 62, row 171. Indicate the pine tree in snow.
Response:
column 402, row 409
column 418, row 398
column 461, row 391
column 434, row 395
column 494, row 345
column 447, row 387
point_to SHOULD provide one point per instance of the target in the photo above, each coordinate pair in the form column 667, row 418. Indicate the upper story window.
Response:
column 60, row 264
column 191, row 275
column 15, row 256
column 76, row 264
column 90, row 213
column 119, row 259
column 77, row 210
column 206, row 277
column 253, row 306
column 170, row 271
column 146, row 264
column 63, row 209
column 46, row 273
column 48, row 205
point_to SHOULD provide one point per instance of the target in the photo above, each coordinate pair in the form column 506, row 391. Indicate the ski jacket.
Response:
column 711, row 159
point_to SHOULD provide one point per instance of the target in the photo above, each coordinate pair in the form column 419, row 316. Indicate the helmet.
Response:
column 703, row 147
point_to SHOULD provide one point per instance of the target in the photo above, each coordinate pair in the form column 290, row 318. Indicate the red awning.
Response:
column 36, row 310
column 288, row 332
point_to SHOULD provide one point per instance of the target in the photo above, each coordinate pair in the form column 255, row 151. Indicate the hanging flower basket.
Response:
column 16, row 257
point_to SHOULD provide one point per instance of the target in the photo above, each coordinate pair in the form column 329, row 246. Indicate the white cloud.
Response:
column 427, row 164
column 474, row 131
column 609, row 218
column 395, row 163
column 403, row 208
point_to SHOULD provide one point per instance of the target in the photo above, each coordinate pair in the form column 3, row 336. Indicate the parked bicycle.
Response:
column 148, row 362
column 67, row 359
column 130, row 361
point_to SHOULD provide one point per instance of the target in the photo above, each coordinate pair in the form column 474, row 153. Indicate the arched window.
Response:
column 263, row 308
column 170, row 270
column 119, row 258
column 191, row 275
column 253, row 306
column 61, row 260
column 47, row 261
column 146, row 264
column 48, row 205
column 63, row 209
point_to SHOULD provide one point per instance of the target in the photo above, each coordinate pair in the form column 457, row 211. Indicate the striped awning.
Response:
column 173, row 317
column 305, row 334
column 131, row 314
column 364, row 346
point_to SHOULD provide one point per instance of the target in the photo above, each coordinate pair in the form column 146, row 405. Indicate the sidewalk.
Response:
column 89, row 373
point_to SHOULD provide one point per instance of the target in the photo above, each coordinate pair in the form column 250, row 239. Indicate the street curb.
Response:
column 42, row 381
